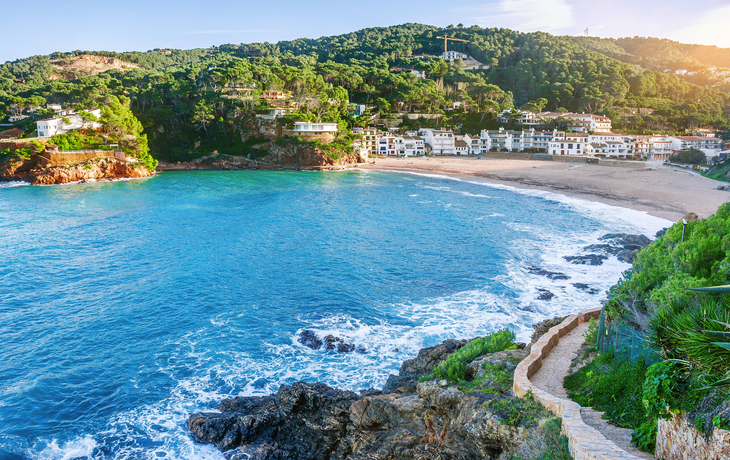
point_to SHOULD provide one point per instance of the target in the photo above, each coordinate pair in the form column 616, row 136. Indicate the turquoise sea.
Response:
column 126, row 305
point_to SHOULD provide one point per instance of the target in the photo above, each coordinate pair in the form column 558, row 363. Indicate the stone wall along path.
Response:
column 542, row 374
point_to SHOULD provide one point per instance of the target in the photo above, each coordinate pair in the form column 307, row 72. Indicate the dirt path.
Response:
column 550, row 378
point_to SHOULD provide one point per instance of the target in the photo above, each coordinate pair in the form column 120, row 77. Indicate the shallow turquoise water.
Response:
column 124, row 306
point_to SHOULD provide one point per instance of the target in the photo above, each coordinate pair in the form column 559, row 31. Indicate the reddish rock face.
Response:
column 17, row 170
column 290, row 156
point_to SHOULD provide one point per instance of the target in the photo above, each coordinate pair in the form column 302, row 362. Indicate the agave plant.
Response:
column 716, row 338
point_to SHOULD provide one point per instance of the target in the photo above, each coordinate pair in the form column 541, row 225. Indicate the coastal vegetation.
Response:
column 190, row 103
column 671, row 297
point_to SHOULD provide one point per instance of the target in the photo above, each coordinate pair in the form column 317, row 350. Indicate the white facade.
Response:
column 710, row 146
column 410, row 146
column 568, row 144
column 654, row 147
column 451, row 55
column 582, row 122
column 310, row 127
column 441, row 142
column 521, row 117
column 386, row 144
column 51, row 126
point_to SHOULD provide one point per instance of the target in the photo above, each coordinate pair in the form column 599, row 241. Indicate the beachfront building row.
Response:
column 576, row 122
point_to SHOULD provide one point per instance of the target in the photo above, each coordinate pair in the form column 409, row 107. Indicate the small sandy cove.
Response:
column 661, row 191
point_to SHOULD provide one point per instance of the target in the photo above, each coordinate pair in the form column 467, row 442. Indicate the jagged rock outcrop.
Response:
column 542, row 327
column 435, row 420
column 29, row 171
column 294, row 156
column 425, row 362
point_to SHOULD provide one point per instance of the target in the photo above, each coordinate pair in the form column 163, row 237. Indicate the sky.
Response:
column 141, row 25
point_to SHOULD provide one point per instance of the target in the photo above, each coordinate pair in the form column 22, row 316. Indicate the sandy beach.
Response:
column 661, row 191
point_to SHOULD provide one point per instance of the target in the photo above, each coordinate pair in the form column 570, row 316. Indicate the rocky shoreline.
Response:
column 415, row 415
column 101, row 169
column 290, row 156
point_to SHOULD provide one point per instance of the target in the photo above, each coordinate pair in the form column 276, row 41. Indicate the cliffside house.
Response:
column 51, row 126
column 582, row 122
column 325, row 132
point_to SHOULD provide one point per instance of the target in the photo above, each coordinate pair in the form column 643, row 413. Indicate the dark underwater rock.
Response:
column 544, row 294
column 550, row 275
column 309, row 339
column 586, row 287
column 589, row 259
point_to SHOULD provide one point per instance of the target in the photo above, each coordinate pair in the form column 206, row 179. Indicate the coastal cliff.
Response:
column 30, row 171
column 285, row 155
column 415, row 416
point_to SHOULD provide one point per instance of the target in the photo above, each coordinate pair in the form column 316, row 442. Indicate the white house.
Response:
column 582, row 122
column 410, row 146
column 451, row 55
column 541, row 140
column 568, row 144
column 311, row 127
column 710, row 146
column 653, row 147
column 441, row 142
column 61, row 125
column 522, row 117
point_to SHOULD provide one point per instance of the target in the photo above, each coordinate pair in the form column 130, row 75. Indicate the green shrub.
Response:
column 591, row 334
column 454, row 367
column 667, row 265
column 543, row 443
column 691, row 331
column 612, row 387
column 526, row 411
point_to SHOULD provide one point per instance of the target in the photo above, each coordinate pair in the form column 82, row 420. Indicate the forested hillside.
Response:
column 196, row 101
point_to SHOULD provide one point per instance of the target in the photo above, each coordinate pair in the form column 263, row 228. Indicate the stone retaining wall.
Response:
column 48, row 159
column 586, row 443
column 679, row 440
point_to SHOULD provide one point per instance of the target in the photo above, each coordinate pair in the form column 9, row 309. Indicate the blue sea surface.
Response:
column 125, row 306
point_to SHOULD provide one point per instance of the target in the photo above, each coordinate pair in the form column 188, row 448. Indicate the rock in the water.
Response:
column 413, row 369
column 622, row 245
column 547, row 273
column 309, row 339
column 331, row 342
column 585, row 287
column 661, row 232
column 627, row 241
column 589, row 259
column 544, row 294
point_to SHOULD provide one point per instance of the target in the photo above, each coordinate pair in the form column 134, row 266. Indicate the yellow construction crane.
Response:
column 446, row 40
